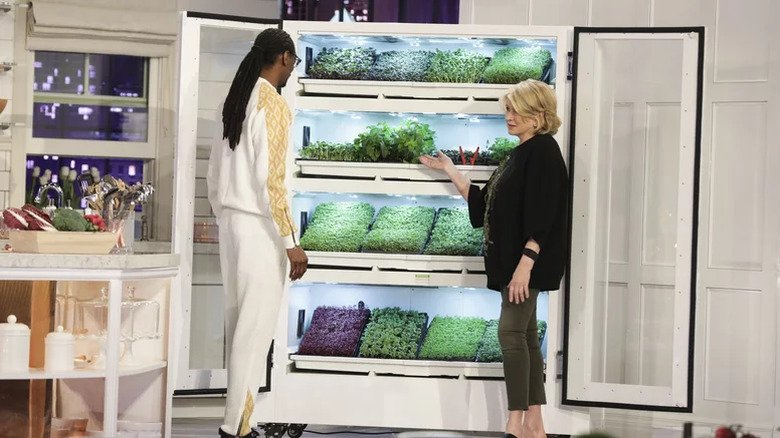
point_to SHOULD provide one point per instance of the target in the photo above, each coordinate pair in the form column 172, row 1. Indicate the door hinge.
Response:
column 559, row 364
column 570, row 71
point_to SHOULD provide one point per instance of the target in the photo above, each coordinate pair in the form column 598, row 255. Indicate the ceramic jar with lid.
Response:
column 14, row 346
column 60, row 350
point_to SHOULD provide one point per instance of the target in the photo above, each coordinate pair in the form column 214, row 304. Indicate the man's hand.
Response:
column 299, row 262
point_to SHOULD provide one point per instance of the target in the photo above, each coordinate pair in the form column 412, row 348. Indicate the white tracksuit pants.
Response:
column 254, row 264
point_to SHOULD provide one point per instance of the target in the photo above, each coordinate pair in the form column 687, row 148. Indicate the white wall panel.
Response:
column 242, row 8
column 733, row 346
column 657, row 333
column 202, row 207
column 201, row 168
column 619, row 12
column 6, row 31
column 742, row 40
column 683, row 13
column 5, row 181
column 496, row 11
column 203, row 152
column 617, row 334
column 206, row 270
column 207, row 336
column 737, row 185
column 6, row 50
column 6, row 85
column 218, row 67
column 211, row 94
column 559, row 12
column 201, row 188
column 5, row 161
column 620, row 191
column 207, row 123
column 662, row 157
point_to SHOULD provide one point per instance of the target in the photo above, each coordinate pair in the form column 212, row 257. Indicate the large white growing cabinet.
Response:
column 618, row 332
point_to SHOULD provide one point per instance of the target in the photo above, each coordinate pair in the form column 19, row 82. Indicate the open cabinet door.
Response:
column 634, row 164
column 211, row 48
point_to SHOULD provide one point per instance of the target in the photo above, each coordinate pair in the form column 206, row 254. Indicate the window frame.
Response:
column 99, row 148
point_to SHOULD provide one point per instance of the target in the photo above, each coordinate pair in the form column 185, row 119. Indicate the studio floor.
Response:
column 207, row 428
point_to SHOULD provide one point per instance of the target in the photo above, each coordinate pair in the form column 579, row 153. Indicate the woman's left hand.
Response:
column 518, row 287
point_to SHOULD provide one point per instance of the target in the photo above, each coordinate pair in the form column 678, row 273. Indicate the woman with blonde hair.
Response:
column 524, row 212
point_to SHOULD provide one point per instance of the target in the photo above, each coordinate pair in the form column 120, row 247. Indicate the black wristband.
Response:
column 531, row 254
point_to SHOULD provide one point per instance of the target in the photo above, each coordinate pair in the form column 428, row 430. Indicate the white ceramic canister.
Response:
column 60, row 350
column 14, row 347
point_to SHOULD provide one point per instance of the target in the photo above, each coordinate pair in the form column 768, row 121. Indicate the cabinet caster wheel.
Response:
column 275, row 430
column 296, row 430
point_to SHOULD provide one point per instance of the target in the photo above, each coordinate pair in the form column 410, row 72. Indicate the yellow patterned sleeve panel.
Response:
column 278, row 120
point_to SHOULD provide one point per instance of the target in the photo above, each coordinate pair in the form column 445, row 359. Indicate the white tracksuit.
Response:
column 247, row 191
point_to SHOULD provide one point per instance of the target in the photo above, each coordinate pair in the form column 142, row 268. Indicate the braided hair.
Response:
column 267, row 47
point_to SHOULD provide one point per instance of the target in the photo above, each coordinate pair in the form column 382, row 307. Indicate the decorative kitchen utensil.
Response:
column 14, row 346
column 60, row 350
column 92, row 323
column 145, row 323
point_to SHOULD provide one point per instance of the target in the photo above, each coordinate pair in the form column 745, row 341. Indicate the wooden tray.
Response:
column 62, row 242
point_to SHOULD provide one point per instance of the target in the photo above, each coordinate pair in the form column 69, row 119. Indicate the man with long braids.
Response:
column 247, row 191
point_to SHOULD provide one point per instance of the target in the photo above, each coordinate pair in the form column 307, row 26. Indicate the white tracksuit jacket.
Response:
column 247, row 191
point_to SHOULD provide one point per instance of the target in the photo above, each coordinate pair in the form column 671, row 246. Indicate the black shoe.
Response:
column 252, row 434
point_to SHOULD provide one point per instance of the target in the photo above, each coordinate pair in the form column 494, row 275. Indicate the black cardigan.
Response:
column 530, row 200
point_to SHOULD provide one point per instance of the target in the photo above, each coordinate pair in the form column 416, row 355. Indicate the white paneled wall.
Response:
column 6, row 92
column 241, row 8
column 736, row 339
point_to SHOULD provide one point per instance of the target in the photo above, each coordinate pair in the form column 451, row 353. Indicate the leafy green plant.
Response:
column 491, row 155
column 453, row 234
column 402, row 144
column 489, row 348
column 411, row 140
column 541, row 329
column 501, row 148
column 515, row 64
column 392, row 333
column 400, row 229
column 456, row 66
column 376, row 143
column 453, row 338
column 330, row 151
column 338, row 226
column 408, row 65
column 351, row 64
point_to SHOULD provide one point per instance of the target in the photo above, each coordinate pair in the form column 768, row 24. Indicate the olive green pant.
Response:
column 523, row 362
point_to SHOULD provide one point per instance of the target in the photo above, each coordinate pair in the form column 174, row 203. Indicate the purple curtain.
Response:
column 388, row 11
column 430, row 11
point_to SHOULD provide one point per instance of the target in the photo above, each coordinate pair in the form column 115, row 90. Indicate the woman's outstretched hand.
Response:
column 439, row 162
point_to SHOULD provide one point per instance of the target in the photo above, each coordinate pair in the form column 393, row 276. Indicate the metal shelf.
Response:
column 397, row 367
